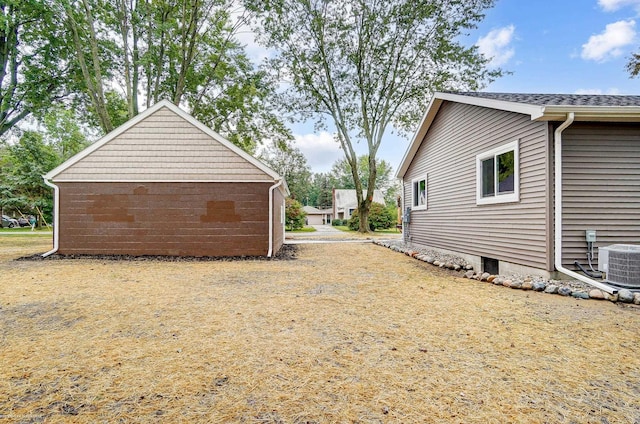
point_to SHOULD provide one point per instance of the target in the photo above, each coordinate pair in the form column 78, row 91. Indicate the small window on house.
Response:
column 497, row 175
column 419, row 193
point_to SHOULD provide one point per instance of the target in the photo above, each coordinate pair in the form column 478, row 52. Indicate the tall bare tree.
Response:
column 367, row 65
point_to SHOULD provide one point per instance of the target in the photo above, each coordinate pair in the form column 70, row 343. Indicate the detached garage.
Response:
column 166, row 184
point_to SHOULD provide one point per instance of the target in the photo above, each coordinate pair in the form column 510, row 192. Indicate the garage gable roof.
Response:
column 540, row 107
column 163, row 143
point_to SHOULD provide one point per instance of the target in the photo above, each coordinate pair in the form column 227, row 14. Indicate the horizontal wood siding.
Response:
column 512, row 232
column 176, row 219
column 601, row 187
column 163, row 147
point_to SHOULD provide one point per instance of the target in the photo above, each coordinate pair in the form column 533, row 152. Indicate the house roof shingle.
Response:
column 539, row 107
column 539, row 99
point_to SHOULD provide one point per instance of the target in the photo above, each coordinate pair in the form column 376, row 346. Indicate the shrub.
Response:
column 337, row 222
column 380, row 218
column 295, row 215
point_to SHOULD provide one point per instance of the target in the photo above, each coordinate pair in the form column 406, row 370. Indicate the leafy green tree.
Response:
column 366, row 65
column 22, row 166
column 380, row 218
column 292, row 165
column 295, row 215
column 34, row 64
column 182, row 50
column 63, row 132
column 342, row 176
column 633, row 65
column 321, row 191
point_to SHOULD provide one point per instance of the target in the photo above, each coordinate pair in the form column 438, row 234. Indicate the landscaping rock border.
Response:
column 573, row 288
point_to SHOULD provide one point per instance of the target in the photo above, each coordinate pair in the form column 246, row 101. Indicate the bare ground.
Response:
column 344, row 333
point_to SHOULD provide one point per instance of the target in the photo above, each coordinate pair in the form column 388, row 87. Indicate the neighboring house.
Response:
column 480, row 173
column 345, row 202
column 317, row 216
column 165, row 184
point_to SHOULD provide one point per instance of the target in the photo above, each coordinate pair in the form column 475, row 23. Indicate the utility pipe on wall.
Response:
column 273, row 187
column 56, row 219
column 558, row 211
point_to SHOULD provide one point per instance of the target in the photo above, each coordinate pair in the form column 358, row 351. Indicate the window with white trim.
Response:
column 419, row 193
column 498, row 175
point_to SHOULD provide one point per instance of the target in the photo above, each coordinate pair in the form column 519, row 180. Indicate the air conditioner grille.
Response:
column 624, row 265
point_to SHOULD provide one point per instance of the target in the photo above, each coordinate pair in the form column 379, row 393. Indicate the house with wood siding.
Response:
column 165, row 184
column 511, row 182
column 345, row 202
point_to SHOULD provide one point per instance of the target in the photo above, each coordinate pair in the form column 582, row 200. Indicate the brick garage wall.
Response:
column 177, row 219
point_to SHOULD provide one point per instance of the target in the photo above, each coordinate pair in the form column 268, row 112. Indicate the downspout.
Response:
column 273, row 187
column 558, row 211
column 56, row 215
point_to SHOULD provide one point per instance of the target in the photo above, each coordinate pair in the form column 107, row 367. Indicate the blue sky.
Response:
column 559, row 46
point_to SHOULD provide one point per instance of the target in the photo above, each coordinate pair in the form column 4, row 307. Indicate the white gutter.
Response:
column 56, row 215
column 273, row 187
column 558, row 211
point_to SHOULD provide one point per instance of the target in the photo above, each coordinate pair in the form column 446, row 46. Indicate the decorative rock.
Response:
column 491, row 278
column 516, row 284
column 448, row 265
column 457, row 267
column 625, row 295
column 596, row 294
column 468, row 274
column 429, row 259
column 580, row 295
column 436, row 263
column 636, row 299
column 527, row 280
column 611, row 297
column 484, row 276
column 468, row 267
column 565, row 291
column 498, row 281
column 551, row 288
column 527, row 285
column 539, row 286
column 507, row 283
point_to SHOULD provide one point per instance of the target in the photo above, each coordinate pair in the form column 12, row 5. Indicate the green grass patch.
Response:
column 23, row 230
column 347, row 230
column 303, row 230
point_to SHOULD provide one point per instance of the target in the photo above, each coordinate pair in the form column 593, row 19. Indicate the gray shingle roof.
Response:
column 558, row 99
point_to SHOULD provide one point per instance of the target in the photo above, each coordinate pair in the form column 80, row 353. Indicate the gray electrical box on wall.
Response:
column 591, row 236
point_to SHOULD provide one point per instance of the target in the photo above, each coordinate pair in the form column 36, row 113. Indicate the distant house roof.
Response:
column 344, row 198
column 310, row 210
column 540, row 107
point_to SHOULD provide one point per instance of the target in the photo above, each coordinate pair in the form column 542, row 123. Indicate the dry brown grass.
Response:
column 346, row 333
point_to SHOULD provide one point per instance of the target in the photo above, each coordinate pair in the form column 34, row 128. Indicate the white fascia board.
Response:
column 141, row 116
column 534, row 111
column 592, row 113
column 104, row 140
column 425, row 123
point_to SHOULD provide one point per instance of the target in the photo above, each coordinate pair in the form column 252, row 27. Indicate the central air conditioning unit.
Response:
column 621, row 263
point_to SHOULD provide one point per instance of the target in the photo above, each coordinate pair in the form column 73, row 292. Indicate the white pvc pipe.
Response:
column 558, row 212
column 273, row 187
column 56, row 217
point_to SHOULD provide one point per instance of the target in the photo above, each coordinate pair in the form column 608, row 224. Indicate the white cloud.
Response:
column 321, row 150
column 496, row 45
column 613, row 5
column 610, row 42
